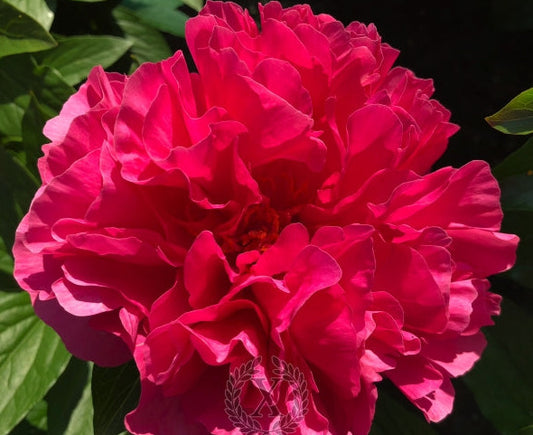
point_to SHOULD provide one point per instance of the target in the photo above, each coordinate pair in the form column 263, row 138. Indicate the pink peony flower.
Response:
column 276, row 203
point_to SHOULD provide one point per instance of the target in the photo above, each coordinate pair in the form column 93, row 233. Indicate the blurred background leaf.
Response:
column 22, row 77
column 17, row 186
column 394, row 414
column 115, row 392
column 70, row 410
column 194, row 4
column 35, row 422
column 40, row 10
column 518, row 162
column 506, row 399
column 148, row 44
column 517, row 203
column 24, row 26
column 161, row 14
column 33, row 122
column 75, row 56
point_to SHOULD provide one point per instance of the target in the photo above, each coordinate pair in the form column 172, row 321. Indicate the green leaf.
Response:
column 17, row 187
column 32, row 137
column 517, row 204
column 37, row 9
column 160, row 14
column 75, row 56
column 50, row 88
column 6, row 262
column 37, row 415
column 115, row 393
column 502, row 381
column 527, row 430
column 519, row 162
column 26, row 428
column 69, row 401
column 20, row 33
column 20, row 77
column 516, row 117
column 517, row 193
column 522, row 272
column 81, row 422
column 16, row 77
column 394, row 415
column 194, row 4
column 32, row 357
column 149, row 45
column 6, row 267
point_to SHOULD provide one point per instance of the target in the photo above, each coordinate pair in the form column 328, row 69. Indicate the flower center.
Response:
column 258, row 229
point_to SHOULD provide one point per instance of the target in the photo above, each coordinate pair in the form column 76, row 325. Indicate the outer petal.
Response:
column 81, row 338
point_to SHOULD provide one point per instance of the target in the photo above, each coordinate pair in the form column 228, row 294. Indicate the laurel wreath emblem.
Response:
column 283, row 371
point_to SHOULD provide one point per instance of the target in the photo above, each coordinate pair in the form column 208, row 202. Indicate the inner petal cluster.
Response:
column 258, row 229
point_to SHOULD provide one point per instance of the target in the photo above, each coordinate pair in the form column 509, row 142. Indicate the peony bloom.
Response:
column 278, row 203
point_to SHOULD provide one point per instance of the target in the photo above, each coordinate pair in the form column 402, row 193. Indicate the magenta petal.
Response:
column 81, row 339
column 415, row 378
column 157, row 413
column 83, row 301
column 102, row 90
column 329, row 342
column 462, row 296
column 456, row 355
column 483, row 252
column 276, row 123
column 424, row 304
column 230, row 332
column 284, row 80
column 313, row 270
column 438, row 404
column 279, row 257
column 207, row 275
column 378, row 148
column 468, row 196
